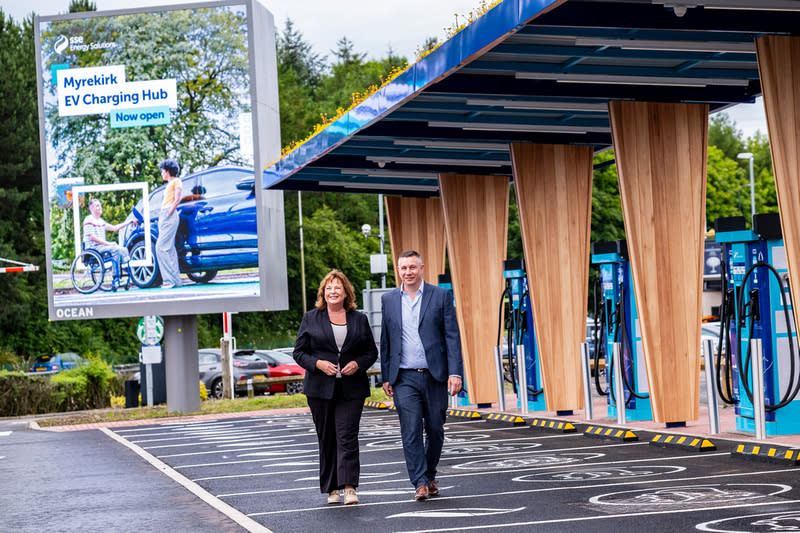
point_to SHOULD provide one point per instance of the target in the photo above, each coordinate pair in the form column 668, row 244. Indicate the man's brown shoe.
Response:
column 433, row 488
column 421, row 493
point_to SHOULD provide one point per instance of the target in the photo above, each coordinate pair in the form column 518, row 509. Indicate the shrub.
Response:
column 22, row 395
column 85, row 387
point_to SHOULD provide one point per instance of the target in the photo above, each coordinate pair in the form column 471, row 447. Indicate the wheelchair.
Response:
column 92, row 270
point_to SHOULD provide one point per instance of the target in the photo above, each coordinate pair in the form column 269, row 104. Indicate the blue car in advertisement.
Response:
column 217, row 231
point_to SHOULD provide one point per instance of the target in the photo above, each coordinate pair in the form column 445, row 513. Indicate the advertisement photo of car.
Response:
column 217, row 229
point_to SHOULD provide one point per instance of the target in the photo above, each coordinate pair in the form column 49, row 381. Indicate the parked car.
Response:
column 245, row 366
column 217, row 229
column 280, row 364
column 56, row 362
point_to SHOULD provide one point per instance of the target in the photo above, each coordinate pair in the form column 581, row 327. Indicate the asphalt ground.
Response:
column 261, row 472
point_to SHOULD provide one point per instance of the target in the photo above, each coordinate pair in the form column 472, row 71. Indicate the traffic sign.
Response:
column 150, row 330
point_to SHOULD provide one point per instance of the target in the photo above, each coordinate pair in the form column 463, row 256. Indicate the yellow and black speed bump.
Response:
column 510, row 419
column 770, row 454
column 463, row 413
column 375, row 405
column 624, row 435
column 553, row 425
column 684, row 442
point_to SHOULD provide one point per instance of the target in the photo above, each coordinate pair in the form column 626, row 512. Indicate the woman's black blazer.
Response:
column 315, row 341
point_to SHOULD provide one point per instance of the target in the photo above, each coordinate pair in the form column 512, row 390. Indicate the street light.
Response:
column 748, row 155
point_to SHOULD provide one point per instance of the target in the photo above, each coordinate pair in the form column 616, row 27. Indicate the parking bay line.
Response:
column 365, row 449
column 468, row 474
column 624, row 483
column 224, row 508
column 471, row 457
column 594, row 517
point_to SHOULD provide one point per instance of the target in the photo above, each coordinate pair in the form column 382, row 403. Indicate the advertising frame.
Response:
column 231, row 286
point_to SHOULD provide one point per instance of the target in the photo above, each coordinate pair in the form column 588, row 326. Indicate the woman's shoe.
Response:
column 350, row 496
column 333, row 497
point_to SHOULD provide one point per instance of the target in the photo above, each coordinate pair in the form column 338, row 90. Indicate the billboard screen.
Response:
column 152, row 122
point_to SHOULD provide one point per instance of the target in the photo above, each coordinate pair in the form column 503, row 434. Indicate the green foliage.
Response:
column 85, row 387
column 723, row 134
column 727, row 189
column 607, row 223
column 22, row 395
column 331, row 244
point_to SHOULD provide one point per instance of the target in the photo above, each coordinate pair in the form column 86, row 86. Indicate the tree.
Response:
column 80, row 6
column 723, row 134
column 607, row 223
column 727, row 190
column 299, row 74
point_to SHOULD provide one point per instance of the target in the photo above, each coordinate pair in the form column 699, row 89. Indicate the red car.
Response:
column 281, row 363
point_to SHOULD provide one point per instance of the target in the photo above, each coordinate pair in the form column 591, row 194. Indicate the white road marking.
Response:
column 5, row 433
column 232, row 513
column 458, row 512
column 485, row 495
column 487, row 527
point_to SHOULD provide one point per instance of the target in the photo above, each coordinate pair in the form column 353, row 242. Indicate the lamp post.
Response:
column 748, row 155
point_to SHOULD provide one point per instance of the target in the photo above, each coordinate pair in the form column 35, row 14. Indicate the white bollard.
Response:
column 498, row 363
column 757, row 369
column 587, row 381
column 711, row 392
column 522, row 373
column 619, row 387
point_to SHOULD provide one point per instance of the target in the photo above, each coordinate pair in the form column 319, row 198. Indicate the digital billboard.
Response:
column 152, row 122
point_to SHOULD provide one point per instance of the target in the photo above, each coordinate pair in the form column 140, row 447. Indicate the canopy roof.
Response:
column 535, row 71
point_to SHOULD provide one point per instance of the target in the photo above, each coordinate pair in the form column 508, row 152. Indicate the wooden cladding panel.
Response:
column 779, row 69
column 417, row 224
column 553, row 184
column 661, row 163
column 476, row 222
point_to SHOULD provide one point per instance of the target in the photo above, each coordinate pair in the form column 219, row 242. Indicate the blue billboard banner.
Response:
column 153, row 122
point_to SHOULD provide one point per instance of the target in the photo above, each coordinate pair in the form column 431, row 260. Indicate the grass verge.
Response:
column 239, row 405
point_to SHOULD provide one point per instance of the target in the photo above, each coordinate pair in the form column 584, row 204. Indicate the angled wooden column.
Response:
column 476, row 221
column 553, row 184
column 779, row 69
column 661, row 162
column 417, row 224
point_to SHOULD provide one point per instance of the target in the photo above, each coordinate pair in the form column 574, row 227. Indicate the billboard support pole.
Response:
column 181, row 363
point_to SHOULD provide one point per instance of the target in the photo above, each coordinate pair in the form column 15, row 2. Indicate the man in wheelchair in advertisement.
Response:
column 99, row 255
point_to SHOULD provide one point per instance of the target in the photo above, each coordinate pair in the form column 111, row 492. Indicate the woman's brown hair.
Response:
column 349, row 292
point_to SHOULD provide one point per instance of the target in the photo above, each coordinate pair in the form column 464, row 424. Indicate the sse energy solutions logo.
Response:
column 61, row 44
column 76, row 44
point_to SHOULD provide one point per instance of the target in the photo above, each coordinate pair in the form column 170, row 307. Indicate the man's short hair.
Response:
column 409, row 253
column 171, row 166
column 94, row 201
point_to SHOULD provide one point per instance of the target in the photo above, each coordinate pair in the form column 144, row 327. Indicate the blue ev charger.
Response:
column 757, row 305
column 617, row 320
column 518, row 322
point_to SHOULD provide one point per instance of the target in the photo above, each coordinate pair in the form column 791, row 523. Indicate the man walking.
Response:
column 421, row 365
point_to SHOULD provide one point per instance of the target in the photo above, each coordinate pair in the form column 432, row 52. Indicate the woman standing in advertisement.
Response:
column 336, row 347
column 168, row 221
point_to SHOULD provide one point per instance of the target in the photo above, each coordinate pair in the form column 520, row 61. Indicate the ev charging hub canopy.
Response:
column 540, row 71
column 530, row 91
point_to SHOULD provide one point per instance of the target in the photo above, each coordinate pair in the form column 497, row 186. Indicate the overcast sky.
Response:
column 372, row 25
